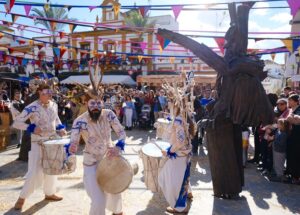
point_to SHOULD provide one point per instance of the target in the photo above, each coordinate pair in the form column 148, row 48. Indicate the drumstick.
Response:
column 157, row 146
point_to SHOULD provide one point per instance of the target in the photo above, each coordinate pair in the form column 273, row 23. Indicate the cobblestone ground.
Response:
column 259, row 195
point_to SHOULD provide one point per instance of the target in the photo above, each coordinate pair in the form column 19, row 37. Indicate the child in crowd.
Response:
column 266, row 150
column 279, row 149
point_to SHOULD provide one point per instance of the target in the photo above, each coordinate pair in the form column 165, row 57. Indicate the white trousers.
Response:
column 99, row 199
column 128, row 117
column 35, row 176
column 170, row 180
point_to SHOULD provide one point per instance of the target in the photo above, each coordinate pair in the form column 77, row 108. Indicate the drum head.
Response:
column 114, row 175
column 150, row 149
column 58, row 141
column 162, row 120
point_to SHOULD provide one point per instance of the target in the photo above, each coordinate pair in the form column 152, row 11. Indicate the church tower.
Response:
column 108, row 14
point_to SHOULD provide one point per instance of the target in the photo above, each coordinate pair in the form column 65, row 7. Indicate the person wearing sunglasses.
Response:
column 44, row 123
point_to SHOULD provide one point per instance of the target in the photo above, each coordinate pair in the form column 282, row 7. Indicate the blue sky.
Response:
column 260, row 20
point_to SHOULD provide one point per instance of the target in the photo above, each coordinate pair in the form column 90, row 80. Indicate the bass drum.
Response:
column 114, row 175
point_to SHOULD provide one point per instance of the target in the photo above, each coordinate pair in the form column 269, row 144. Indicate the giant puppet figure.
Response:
column 241, row 99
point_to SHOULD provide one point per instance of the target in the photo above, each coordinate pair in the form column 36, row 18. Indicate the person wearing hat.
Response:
column 293, row 150
column 95, row 126
column 44, row 123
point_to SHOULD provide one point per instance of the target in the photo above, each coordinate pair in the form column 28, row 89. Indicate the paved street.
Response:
column 259, row 195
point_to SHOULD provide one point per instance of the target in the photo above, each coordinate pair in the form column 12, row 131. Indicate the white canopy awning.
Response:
column 107, row 79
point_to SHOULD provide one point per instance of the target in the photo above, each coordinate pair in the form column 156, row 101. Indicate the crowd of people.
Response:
column 277, row 146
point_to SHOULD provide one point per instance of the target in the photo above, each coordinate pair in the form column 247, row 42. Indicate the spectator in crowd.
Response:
column 279, row 149
column 16, row 107
column 149, row 99
column 156, row 106
column 282, row 110
column 287, row 91
column 163, row 103
column 128, row 106
column 293, row 151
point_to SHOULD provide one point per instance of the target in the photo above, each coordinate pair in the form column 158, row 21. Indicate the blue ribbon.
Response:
column 170, row 154
column 121, row 144
column 169, row 118
column 30, row 128
column 67, row 148
column 60, row 127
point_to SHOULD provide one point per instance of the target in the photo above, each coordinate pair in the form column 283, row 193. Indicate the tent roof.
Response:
column 107, row 79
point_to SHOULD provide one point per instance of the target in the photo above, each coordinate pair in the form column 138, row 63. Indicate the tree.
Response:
column 241, row 99
column 51, row 13
column 140, row 24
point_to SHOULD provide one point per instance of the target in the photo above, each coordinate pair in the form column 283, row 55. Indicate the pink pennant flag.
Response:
column 27, row 9
column 143, row 45
column 92, row 8
column 176, row 10
column 294, row 5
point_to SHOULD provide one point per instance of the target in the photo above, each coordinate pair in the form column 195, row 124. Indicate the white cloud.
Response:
column 281, row 17
column 261, row 12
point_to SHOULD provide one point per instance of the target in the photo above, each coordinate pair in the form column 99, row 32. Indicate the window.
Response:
column 109, row 45
column 136, row 46
column 86, row 47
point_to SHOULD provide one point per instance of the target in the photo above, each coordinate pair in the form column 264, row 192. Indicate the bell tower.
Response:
column 108, row 14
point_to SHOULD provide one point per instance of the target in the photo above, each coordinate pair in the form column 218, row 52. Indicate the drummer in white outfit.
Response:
column 95, row 127
column 44, row 123
column 174, row 177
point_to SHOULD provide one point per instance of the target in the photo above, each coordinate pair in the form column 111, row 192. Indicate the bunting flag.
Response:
column 162, row 41
column 56, row 51
column 116, row 8
column 40, row 46
column 9, row 5
column 68, row 7
column 6, row 23
column 143, row 45
column 172, row 60
column 27, row 9
column 220, row 41
column 47, row 7
column 296, row 44
column 176, row 10
column 61, row 35
column 91, row 8
column 62, row 51
column 53, row 25
column 258, row 39
column 160, row 49
column 19, row 60
column 144, row 10
column 21, row 42
column 273, row 55
column 72, row 27
column 288, row 44
column 30, row 42
column 294, row 5
column 1, row 35
column 140, row 58
column 14, row 18
column 10, row 50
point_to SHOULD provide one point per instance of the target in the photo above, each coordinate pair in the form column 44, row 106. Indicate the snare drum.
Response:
column 162, row 130
column 153, row 161
column 55, row 160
